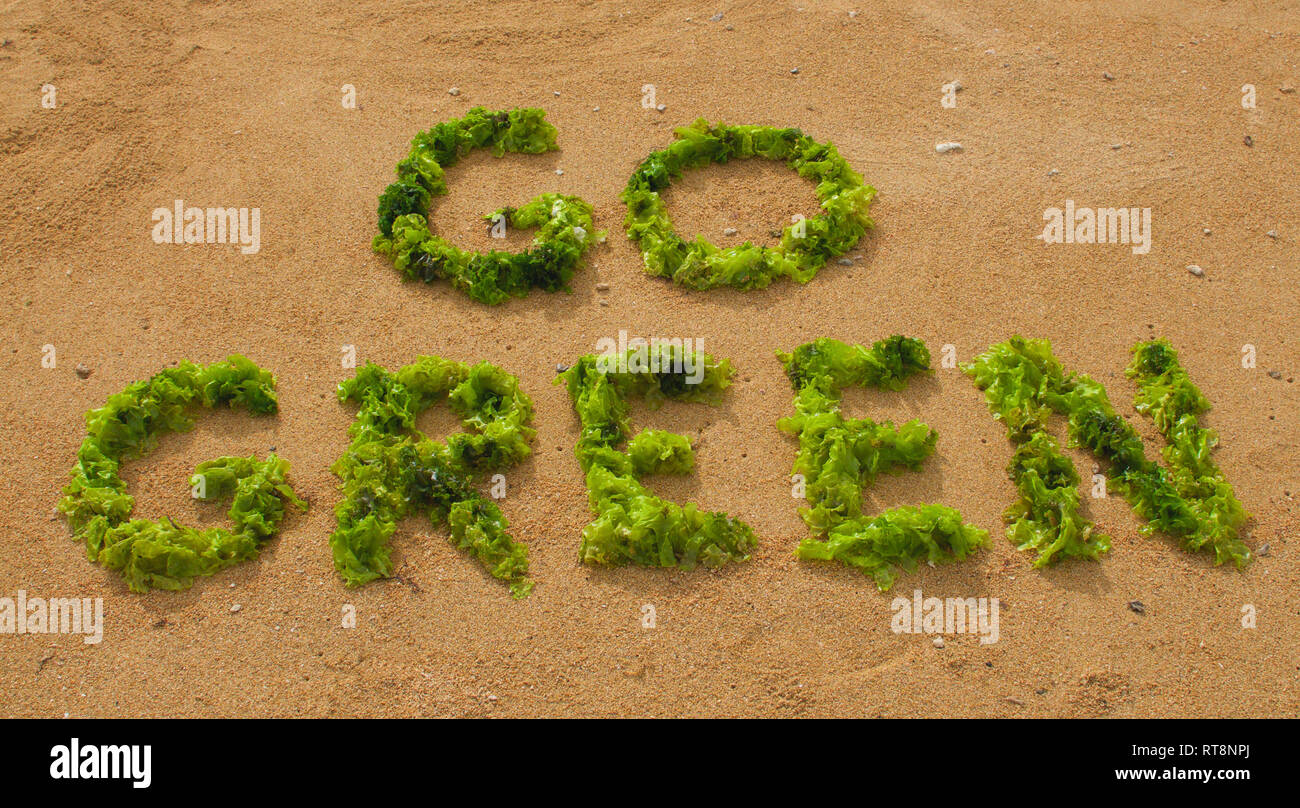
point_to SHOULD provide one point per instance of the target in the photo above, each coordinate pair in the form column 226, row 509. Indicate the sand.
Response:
column 240, row 105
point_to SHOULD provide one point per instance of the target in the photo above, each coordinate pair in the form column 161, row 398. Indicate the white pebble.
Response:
column 454, row 91
column 559, row 172
column 1195, row 270
column 730, row 231
column 944, row 148
column 661, row 107
column 938, row 642
column 234, row 608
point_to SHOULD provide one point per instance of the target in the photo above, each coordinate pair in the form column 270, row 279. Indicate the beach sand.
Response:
column 1109, row 105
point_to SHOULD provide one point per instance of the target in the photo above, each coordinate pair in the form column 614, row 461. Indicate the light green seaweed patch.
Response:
column 1024, row 384
column 564, row 223
column 805, row 245
column 632, row 525
column 839, row 457
column 391, row 470
column 1167, row 394
column 160, row 553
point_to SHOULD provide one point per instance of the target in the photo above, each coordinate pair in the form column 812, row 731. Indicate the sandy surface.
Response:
column 239, row 105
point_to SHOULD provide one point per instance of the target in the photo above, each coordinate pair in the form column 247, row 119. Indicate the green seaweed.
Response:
column 805, row 246
column 632, row 525
column 564, row 223
column 390, row 470
column 839, row 457
column 1024, row 384
column 1167, row 394
column 160, row 553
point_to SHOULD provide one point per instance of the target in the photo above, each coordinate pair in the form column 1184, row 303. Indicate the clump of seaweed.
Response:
column 160, row 553
column 564, row 223
column 805, row 246
column 390, row 470
column 632, row 525
column 1024, row 383
column 839, row 457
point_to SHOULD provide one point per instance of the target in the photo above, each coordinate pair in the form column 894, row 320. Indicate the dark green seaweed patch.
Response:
column 632, row 525
column 390, row 469
column 564, row 223
column 805, row 246
column 839, row 457
column 160, row 553
column 1024, row 383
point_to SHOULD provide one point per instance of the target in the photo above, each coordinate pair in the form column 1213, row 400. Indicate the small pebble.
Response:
column 604, row 302
column 661, row 107
column 938, row 642
column 557, row 93
column 560, row 368
column 1271, row 234
column 1263, row 550
column 1248, row 140
column 730, row 231
column 1107, row 76
column 235, row 608
column 1287, row 88
column 454, row 91
column 559, row 171
column 1014, row 700
column 944, row 148
column 853, row 15
column 730, row 27
column 595, row 109
column 1137, row 607
column 602, row 287
column 845, row 262
column 716, row 17
column 1053, row 172
column 1275, row 374
column 1205, row 230
column 794, row 71
column 82, row 370
column 1195, row 270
